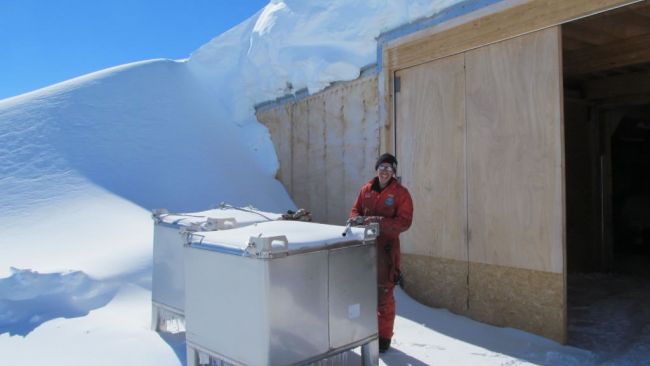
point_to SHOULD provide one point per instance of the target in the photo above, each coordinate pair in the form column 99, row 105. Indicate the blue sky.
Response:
column 43, row 42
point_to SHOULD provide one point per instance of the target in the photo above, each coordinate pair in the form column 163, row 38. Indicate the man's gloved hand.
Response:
column 372, row 219
column 355, row 221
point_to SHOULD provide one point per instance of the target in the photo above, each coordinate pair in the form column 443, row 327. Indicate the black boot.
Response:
column 384, row 344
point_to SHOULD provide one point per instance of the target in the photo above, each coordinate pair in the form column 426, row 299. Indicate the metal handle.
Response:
column 263, row 247
column 190, row 236
column 212, row 224
column 371, row 231
column 156, row 214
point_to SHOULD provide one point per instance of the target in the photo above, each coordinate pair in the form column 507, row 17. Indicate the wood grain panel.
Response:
column 360, row 138
column 299, row 154
column 431, row 153
column 334, row 171
column 515, row 153
column 371, row 127
column 327, row 144
column 619, row 53
column 316, row 155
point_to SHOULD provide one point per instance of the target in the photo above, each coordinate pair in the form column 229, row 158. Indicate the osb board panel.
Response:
column 520, row 19
column 278, row 121
column 533, row 301
column 515, row 153
column 436, row 282
column 430, row 126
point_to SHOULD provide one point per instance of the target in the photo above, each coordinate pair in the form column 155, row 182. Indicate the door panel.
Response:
column 430, row 146
column 516, row 183
column 515, row 158
column 431, row 154
column 480, row 147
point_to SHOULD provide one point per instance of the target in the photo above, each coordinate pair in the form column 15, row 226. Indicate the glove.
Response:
column 372, row 219
column 355, row 221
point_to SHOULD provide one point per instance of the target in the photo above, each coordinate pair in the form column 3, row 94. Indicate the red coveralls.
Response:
column 395, row 207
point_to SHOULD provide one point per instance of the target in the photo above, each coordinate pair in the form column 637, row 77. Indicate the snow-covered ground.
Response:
column 82, row 163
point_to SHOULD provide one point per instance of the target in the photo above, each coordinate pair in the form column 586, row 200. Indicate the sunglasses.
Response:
column 385, row 168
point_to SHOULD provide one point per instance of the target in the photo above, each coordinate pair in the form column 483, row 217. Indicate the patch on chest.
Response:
column 368, row 195
column 390, row 200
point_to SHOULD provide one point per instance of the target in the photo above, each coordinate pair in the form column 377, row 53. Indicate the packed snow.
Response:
column 83, row 162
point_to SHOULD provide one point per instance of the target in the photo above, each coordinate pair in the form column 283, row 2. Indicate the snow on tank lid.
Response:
column 299, row 235
column 233, row 216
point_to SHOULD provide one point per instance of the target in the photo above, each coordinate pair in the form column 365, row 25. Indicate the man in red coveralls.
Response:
column 385, row 201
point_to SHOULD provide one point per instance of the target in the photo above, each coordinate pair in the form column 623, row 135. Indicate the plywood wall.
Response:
column 327, row 145
column 515, row 156
column 431, row 150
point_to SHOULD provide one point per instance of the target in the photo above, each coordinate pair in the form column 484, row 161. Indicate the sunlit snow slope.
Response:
column 83, row 161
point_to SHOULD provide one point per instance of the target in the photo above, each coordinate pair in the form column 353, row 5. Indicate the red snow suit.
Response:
column 394, row 207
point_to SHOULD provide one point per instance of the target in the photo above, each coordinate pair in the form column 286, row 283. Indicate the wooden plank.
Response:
column 580, row 31
column 386, row 132
column 620, row 53
column 327, row 145
column 334, row 169
column 618, row 86
column 431, row 154
column 360, row 137
column 515, row 153
column 316, row 156
column 517, row 20
column 299, row 154
column 624, row 22
column 372, row 128
column 626, row 101
column 641, row 8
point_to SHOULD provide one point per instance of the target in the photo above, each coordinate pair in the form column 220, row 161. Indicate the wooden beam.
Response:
column 626, row 101
column 623, row 23
column 580, row 31
column 618, row 86
column 631, row 51
column 641, row 8
column 517, row 20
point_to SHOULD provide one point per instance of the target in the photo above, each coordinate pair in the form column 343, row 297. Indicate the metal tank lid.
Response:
column 276, row 238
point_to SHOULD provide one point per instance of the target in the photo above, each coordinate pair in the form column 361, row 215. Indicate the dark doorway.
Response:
column 631, row 191
column 607, row 183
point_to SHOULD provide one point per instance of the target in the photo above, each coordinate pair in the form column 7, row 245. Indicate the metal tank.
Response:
column 170, row 230
column 280, row 293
